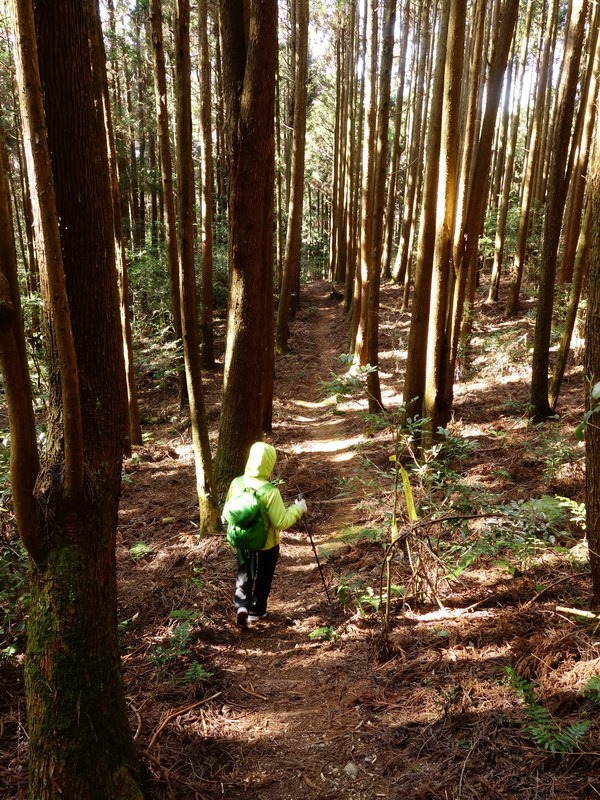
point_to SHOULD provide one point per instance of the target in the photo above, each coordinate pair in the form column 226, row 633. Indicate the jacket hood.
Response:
column 261, row 461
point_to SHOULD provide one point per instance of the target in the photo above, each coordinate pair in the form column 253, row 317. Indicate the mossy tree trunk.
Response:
column 80, row 744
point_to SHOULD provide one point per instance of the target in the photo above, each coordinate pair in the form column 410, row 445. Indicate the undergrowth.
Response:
column 543, row 728
column 465, row 520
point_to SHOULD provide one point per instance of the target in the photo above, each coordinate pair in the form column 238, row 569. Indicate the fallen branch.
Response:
column 164, row 722
column 577, row 612
column 252, row 694
column 447, row 613
column 544, row 590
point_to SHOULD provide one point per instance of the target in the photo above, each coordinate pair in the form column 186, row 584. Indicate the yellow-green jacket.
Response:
column 259, row 467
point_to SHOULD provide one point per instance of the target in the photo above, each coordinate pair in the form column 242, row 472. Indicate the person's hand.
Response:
column 301, row 503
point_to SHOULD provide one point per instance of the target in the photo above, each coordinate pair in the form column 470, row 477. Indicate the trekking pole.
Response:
column 308, row 533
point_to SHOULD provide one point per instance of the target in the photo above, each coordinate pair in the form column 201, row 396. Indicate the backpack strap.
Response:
column 261, row 489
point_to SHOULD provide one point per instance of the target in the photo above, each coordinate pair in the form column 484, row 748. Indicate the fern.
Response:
column 195, row 673
column 543, row 727
column 592, row 689
column 549, row 734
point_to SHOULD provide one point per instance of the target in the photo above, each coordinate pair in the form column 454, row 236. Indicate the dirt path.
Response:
column 282, row 721
column 298, row 730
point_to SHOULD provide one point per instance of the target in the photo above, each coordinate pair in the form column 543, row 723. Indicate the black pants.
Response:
column 254, row 579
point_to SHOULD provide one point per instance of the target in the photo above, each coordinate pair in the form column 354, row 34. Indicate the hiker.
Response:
column 256, row 569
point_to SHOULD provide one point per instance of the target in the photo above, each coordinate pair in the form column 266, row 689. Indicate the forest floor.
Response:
column 318, row 701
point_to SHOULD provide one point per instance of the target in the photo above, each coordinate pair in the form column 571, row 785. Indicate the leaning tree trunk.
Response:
column 205, row 486
column 80, row 745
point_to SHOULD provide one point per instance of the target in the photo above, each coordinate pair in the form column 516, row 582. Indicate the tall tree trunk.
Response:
column 24, row 461
column 249, row 66
column 580, row 148
column 80, row 745
column 153, row 188
column 293, row 244
column 351, row 160
column 472, row 117
column 532, row 158
column 208, row 345
column 381, row 150
column 365, row 274
column 437, row 403
column 207, row 499
column 166, row 176
column 334, row 268
column 414, row 381
column 466, row 266
column 422, row 36
column 557, row 192
column 591, row 378
column 134, row 182
column 99, row 71
column 468, row 255
column 510, row 162
column 579, row 259
column 390, row 216
column 341, row 247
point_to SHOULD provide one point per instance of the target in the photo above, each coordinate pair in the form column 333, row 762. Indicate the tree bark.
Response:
column 591, row 378
column 437, row 403
column 207, row 499
column 380, row 166
column 208, row 345
column 293, row 244
column 365, row 266
column 510, row 163
column 533, row 155
column 166, row 176
column 99, row 71
column 557, row 192
column 24, row 461
column 249, row 67
column 80, row 745
column 466, row 252
column 403, row 254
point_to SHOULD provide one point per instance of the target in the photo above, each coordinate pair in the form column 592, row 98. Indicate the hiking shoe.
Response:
column 242, row 617
column 254, row 615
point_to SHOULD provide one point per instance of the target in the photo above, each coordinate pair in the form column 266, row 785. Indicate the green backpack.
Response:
column 246, row 518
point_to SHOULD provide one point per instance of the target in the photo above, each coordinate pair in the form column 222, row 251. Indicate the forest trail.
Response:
column 295, row 729
column 283, row 723
column 312, row 703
